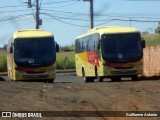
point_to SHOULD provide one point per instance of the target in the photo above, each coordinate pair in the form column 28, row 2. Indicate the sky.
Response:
column 67, row 19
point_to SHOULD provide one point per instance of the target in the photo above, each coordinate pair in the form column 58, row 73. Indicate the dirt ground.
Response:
column 127, row 95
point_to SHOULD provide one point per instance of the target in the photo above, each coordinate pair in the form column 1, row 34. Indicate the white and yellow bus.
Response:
column 31, row 54
column 109, row 52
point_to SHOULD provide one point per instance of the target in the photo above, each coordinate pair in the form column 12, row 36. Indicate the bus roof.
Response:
column 109, row 30
column 31, row 33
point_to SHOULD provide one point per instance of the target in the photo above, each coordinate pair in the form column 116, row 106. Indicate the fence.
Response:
column 151, row 61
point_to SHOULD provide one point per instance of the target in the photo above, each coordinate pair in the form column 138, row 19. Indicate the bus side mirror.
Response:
column 98, row 46
column 143, row 43
column 11, row 49
column 57, row 47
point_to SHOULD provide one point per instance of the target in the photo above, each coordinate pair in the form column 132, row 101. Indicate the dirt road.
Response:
column 70, row 93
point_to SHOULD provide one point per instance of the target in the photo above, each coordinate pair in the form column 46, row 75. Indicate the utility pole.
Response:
column 37, row 19
column 29, row 3
column 130, row 22
column 37, row 14
column 91, row 13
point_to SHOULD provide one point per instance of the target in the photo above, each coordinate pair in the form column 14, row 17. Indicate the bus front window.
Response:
column 34, row 51
column 121, row 47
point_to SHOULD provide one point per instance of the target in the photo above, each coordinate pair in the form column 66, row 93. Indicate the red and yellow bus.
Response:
column 109, row 52
column 31, row 55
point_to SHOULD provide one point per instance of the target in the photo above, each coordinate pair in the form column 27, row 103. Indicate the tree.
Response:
column 5, row 47
column 158, row 30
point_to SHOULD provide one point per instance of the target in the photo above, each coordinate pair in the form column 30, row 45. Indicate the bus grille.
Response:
column 35, row 76
column 124, row 72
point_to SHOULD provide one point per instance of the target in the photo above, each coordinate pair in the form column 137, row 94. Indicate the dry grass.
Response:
column 65, row 60
column 152, row 39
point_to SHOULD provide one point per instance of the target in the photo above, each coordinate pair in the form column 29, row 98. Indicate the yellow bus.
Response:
column 31, row 55
column 109, row 52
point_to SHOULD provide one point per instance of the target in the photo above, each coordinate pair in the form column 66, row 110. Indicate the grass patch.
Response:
column 65, row 60
column 67, row 48
column 152, row 39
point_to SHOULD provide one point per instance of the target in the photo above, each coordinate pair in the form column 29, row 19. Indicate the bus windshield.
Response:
column 34, row 51
column 121, row 47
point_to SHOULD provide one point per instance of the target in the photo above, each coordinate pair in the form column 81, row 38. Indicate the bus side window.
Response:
column 98, row 45
column 97, row 42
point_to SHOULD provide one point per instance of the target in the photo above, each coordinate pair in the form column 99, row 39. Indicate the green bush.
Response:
column 151, row 39
column 67, row 48
column 65, row 60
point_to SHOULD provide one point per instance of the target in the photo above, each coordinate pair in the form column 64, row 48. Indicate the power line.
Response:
column 80, row 19
column 14, row 11
column 21, row 19
column 15, row 17
column 65, row 12
column 134, row 20
column 106, row 21
column 61, row 2
column 69, row 18
column 63, row 21
column 66, row 5
column 121, row 15
column 12, row 6
column 58, row 18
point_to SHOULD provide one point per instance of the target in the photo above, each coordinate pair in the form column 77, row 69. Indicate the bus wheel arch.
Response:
column 83, row 72
column 100, row 79
column 96, row 72
column 86, row 79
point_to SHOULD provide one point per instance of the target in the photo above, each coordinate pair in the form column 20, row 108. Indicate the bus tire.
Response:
column 87, row 79
column 134, row 78
column 100, row 79
column 92, row 79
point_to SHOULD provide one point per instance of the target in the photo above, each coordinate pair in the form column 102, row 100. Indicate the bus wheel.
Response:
column 134, row 78
column 116, row 79
column 100, row 79
column 87, row 79
column 92, row 79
